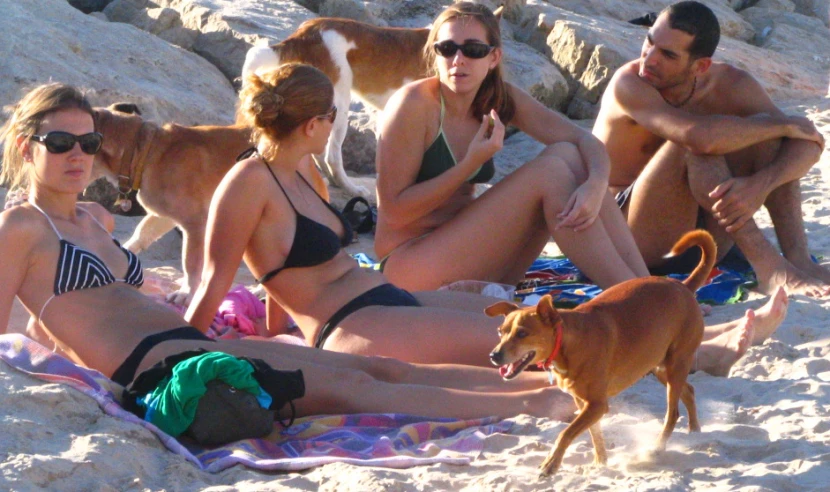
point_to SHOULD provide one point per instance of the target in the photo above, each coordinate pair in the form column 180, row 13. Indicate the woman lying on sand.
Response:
column 61, row 261
column 265, row 213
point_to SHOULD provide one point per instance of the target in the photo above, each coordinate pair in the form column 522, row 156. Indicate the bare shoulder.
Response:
column 738, row 92
column 21, row 227
column 724, row 73
column 414, row 97
column 247, row 173
column 626, row 87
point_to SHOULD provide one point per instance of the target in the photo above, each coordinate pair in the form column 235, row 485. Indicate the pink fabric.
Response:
column 239, row 310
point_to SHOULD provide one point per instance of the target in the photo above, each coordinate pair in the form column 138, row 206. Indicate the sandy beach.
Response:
column 765, row 428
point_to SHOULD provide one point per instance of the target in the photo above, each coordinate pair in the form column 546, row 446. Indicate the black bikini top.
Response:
column 314, row 243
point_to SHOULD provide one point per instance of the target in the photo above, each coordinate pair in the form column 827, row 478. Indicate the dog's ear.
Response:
column 500, row 308
column 125, row 107
column 546, row 311
column 498, row 12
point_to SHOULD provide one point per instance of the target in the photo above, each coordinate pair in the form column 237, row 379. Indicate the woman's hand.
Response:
column 488, row 140
column 583, row 206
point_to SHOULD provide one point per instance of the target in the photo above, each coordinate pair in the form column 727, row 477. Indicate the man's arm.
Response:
column 711, row 134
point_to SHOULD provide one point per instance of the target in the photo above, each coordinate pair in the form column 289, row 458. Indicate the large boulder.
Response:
column 226, row 29
column 819, row 9
column 789, row 33
column 731, row 24
column 165, row 23
column 51, row 40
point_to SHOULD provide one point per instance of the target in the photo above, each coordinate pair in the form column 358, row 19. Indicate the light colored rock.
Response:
column 731, row 24
column 518, row 149
column 588, row 53
column 360, row 144
column 533, row 72
column 782, row 5
column 820, row 9
column 49, row 39
column 783, row 76
column 228, row 28
column 789, row 33
column 353, row 9
column 165, row 23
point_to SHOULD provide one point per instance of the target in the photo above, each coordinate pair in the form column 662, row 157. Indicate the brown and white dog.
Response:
column 368, row 61
column 175, row 170
column 602, row 347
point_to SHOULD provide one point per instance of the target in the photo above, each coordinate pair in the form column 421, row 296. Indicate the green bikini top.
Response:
column 438, row 158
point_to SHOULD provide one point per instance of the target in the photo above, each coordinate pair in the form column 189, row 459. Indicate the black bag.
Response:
column 362, row 221
column 225, row 414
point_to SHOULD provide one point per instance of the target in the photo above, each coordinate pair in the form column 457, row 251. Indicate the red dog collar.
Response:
column 556, row 346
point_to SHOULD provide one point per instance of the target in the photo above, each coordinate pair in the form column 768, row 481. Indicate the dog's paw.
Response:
column 181, row 297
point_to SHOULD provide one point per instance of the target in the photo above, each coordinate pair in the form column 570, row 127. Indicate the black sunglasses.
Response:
column 331, row 115
column 474, row 49
column 62, row 142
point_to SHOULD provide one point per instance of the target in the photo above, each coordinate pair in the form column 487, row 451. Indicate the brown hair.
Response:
column 276, row 102
column 493, row 92
column 25, row 119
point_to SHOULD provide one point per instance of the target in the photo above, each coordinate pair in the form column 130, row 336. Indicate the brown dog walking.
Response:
column 598, row 349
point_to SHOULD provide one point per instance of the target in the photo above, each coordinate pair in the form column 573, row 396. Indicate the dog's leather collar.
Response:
column 557, row 344
column 134, row 166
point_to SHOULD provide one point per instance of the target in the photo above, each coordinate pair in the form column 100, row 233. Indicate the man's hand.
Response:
column 736, row 201
column 804, row 129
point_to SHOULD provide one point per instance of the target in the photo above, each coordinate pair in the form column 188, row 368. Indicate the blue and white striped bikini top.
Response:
column 80, row 269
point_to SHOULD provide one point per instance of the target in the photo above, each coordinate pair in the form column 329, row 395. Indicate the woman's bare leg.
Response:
column 337, row 390
column 487, row 239
column 423, row 335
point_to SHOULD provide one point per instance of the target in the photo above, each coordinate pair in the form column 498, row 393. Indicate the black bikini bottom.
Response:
column 382, row 295
column 126, row 371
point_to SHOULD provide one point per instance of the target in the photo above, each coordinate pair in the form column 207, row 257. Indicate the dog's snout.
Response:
column 496, row 357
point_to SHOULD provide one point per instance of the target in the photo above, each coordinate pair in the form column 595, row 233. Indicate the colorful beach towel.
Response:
column 559, row 277
column 388, row 440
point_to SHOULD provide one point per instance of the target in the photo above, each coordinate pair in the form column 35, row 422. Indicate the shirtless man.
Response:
column 697, row 143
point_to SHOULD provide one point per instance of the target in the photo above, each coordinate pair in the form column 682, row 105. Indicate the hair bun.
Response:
column 267, row 104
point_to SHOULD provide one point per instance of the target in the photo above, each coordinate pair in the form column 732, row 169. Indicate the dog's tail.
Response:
column 706, row 243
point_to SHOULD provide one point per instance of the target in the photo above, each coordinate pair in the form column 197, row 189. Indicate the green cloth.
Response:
column 172, row 405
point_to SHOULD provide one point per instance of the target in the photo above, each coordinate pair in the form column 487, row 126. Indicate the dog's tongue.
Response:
column 505, row 370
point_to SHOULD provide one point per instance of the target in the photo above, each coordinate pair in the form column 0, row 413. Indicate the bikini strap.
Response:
column 279, row 184
column 309, row 185
column 47, row 218
column 443, row 111
column 97, row 222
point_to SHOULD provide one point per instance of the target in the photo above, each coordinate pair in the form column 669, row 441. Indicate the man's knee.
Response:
column 754, row 158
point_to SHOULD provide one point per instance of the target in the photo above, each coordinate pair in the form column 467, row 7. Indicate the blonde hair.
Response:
column 493, row 92
column 276, row 102
column 25, row 119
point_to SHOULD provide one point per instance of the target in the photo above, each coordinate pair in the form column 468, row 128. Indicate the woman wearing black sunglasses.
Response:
column 438, row 137
column 59, row 259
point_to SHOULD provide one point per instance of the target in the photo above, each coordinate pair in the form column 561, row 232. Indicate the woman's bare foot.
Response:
column 717, row 355
column 769, row 316
column 794, row 280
